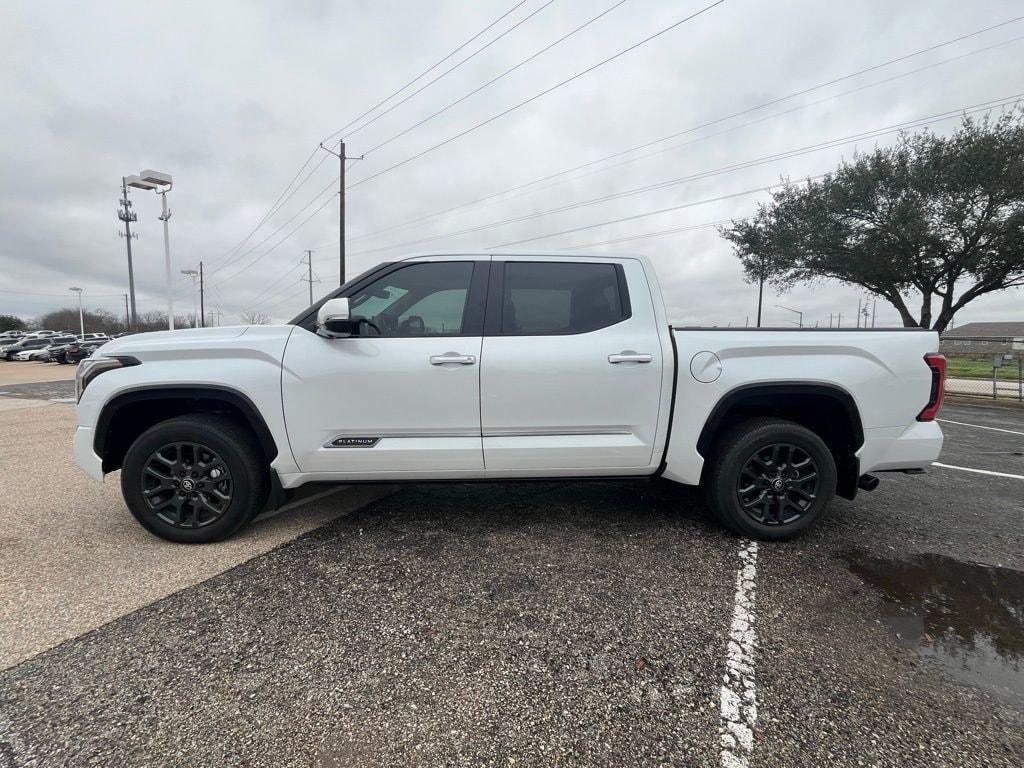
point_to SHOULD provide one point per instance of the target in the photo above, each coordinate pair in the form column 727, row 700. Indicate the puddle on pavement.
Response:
column 968, row 617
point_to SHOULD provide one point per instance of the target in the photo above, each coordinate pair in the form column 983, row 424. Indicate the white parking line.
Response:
column 980, row 426
column 738, row 695
column 978, row 471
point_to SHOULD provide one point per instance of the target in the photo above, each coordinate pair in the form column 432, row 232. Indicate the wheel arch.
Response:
column 130, row 413
column 826, row 409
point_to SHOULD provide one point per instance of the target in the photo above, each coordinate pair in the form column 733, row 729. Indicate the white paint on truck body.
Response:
column 597, row 403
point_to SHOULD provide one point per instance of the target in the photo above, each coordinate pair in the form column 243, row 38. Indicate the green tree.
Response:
column 12, row 323
column 934, row 219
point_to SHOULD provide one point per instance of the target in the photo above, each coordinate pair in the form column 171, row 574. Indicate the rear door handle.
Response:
column 452, row 357
column 629, row 356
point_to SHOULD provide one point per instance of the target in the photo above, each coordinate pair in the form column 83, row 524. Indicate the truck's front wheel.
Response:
column 770, row 478
column 194, row 479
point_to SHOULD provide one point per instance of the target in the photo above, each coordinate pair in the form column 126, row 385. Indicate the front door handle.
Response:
column 452, row 357
column 629, row 356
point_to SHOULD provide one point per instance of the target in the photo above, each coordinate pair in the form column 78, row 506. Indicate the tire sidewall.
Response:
column 735, row 456
column 244, row 476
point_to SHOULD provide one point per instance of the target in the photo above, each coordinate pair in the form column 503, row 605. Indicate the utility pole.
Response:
column 215, row 313
column 342, row 157
column 127, row 317
column 858, row 313
column 874, row 306
column 202, row 314
column 125, row 214
column 760, row 297
column 194, row 274
column 309, row 264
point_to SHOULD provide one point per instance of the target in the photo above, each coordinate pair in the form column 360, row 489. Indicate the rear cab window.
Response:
column 559, row 298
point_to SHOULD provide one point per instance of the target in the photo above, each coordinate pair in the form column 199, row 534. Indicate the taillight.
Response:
column 937, row 363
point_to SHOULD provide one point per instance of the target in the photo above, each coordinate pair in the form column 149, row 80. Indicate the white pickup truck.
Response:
column 497, row 367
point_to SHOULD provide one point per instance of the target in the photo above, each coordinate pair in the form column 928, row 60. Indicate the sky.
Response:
column 233, row 98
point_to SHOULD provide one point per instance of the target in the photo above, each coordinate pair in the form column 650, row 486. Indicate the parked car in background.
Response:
column 78, row 351
column 58, row 354
column 57, row 343
column 28, row 342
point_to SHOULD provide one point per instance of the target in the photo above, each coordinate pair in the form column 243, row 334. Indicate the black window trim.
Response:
column 473, row 315
column 496, row 290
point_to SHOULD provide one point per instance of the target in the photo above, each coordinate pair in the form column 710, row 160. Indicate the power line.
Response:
column 397, row 104
column 422, row 74
column 281, row 199
column 294, row 216
column 269, row 288
column 62, row 295
column 498, row 77
column 831, row 82
column 522, row 187
column 807, row 149
column 691, row 204
column 505, row 112
column 536, row 96
column 286, row 237
column 655, row 233
column 724, row 118
column 688, row 204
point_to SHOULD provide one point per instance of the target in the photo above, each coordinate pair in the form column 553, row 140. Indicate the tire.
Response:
column 225, row 482
column 759, row 481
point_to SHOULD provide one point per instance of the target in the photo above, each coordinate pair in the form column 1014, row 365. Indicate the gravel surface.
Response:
column 541, row 624
column 71, row 555
column 470, row 625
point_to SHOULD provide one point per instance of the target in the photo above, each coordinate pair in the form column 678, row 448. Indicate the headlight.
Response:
column 91, row 367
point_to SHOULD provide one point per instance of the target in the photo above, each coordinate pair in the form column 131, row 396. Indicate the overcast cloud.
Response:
column 231, row 98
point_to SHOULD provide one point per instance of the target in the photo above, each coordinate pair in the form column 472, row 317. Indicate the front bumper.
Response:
column 85, row 455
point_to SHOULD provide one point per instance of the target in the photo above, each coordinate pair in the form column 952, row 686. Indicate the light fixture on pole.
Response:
column 194, row 274
column 81, row 316
column 161, row 184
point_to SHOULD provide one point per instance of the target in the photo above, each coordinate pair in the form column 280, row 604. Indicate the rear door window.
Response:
column 541, row 298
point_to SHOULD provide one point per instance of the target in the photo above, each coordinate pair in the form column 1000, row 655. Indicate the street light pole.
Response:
column 81, row 315
column 164, row 217
column 161, row 184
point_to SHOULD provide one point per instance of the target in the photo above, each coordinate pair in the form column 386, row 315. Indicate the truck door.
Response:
column 403, row 398
column 572, row 368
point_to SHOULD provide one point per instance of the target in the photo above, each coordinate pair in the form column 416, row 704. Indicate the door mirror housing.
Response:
column 333, row 320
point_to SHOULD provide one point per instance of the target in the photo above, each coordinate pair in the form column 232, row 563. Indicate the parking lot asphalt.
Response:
column 567, row 624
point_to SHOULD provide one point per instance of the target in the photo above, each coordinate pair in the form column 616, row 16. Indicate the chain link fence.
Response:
column 990, row 367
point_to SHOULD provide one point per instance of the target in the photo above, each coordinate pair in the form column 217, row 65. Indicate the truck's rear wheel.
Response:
column 770, row 479
column 194, row 479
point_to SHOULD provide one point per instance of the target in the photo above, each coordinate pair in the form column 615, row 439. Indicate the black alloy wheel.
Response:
column 778, row 484
column 769, row 478
column 187, row 485
column 195, row 479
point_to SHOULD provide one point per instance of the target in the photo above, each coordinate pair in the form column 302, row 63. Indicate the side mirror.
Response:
column 333, row 321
